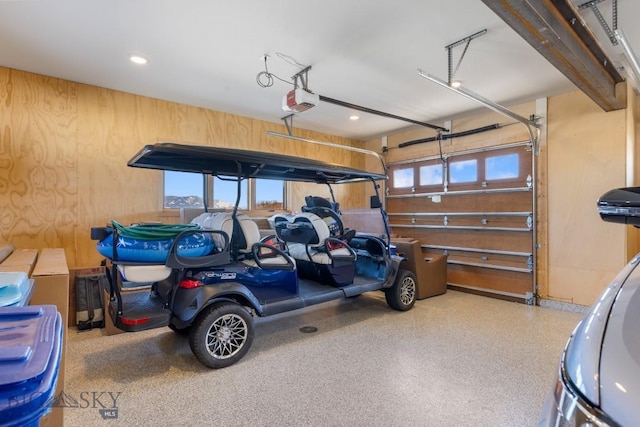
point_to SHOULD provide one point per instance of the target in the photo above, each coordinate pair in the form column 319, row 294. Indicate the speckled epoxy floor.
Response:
column 454, row 360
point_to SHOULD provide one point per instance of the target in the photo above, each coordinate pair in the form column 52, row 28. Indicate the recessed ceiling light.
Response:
column 138, row 59
column 354, row 117
column 456, row 83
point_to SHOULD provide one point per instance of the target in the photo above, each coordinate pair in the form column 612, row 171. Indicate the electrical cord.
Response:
column 269, row 76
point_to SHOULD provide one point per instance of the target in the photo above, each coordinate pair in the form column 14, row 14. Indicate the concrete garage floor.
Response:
column 454, row 360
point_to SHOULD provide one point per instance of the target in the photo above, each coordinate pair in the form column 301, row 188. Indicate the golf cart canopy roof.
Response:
column 245, row 163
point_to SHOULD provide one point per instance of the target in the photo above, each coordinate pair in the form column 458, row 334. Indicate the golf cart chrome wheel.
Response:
column 407, row 290
column 226, row 336
column 402, row 295
column 221, row 335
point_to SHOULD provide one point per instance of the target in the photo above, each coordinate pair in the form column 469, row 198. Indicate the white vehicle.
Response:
column 599, row 376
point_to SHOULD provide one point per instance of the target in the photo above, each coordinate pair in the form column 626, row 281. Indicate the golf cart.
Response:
column 218, row 273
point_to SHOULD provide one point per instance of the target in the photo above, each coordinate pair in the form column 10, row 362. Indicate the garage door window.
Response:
column 403, row 178
column 431, row 175
column 463, row 171
column 502, row 167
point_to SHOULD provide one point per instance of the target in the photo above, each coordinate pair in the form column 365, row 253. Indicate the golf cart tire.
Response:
column 402, row 295
column 180, row 331
column 221, row 335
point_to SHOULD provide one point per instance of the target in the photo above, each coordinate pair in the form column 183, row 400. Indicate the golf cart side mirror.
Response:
column 621, row 205
column 375, row 202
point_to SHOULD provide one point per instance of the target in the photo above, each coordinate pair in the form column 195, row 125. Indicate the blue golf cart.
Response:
column 220, row 271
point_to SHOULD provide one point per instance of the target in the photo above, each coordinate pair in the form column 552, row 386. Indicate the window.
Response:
column 502, row 167
column 185, row 190
column 431, row 174
column 182, row 190
column 225, row 193
column 269, row 194
column 403, row 178
column 463, row 171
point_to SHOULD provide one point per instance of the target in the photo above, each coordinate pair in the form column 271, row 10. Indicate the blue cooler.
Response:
column 15, row 289
column 30, row 350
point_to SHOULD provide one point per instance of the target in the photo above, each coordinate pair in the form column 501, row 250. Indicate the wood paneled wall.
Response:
column 38, row 165
column 586, row 159
column 64, row 148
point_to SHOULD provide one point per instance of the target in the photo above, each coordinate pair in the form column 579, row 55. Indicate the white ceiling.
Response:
column 207, row 53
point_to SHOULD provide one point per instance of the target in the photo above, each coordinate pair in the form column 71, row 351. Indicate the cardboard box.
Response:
column 5, row 251
column 51, row 277
column 26, row 268
column 20, row 260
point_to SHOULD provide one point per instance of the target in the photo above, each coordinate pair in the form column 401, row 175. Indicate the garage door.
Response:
column 477, row 207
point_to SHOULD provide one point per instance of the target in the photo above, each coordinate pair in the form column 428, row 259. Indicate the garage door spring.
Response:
column 451, row 135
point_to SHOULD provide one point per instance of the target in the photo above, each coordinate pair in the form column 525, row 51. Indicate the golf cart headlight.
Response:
column 573, row 411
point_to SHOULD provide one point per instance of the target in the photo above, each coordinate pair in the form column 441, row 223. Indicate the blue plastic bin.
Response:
column 30, row 349
column 15, row 289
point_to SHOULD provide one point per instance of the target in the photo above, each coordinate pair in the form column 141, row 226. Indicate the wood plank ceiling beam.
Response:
column 555, row 29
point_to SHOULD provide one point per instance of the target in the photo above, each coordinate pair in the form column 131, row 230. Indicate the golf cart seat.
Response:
column 330, row 213
column 319, row 255
column 317, row 201
column 144, row 273
column 245, row 240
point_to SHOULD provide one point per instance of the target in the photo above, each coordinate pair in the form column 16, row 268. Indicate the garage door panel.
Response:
column 499, row 202
column 518, row 223
column 488, row 279
column 488, row 259
column 460, row 238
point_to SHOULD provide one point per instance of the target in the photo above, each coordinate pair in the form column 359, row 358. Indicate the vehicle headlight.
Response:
column 568, row 409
